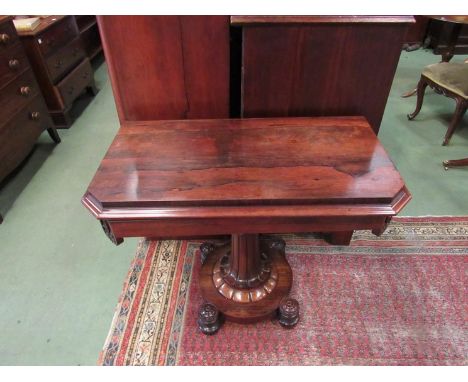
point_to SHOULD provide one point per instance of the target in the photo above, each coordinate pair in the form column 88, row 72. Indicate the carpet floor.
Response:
column 399, row 299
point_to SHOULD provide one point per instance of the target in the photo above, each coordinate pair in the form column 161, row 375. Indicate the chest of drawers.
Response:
column 60, row 63
column 23, row 112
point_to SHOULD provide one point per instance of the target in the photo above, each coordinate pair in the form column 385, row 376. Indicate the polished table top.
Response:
column 272, row 161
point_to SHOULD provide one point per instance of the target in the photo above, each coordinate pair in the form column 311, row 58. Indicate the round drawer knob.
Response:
column 4, row 38
column 34, row 115
column 14, row 63
column 25, row 90
column 58, row 64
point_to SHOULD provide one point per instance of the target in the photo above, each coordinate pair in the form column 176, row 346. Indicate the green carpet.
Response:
column 416, row 146
column 60, row 276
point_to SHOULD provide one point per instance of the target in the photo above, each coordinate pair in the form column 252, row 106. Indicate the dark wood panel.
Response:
column 245, row 162
column 19, row 135
column 67, row 57
column 57, row 34
column 85, row 21
column 89, row 34
column 320, row 69
column 417, row 31
column 75, row 82
column 17, row 94
column 8, row 36
column 165, row 228
column 168, row 67
column 12, row 63
column 91, row 41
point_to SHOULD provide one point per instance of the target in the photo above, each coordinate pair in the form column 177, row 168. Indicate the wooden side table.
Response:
column 450, row 37
column 248, row 178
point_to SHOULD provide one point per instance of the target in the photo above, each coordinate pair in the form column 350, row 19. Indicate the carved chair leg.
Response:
column 457, row 116
column 455, row 163
column 422, row 84
column 409, row 93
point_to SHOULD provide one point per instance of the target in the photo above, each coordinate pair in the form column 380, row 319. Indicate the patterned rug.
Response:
column 395, row 300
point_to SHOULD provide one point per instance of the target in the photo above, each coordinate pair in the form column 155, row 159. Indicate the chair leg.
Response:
column 457, row 116
column 455, row 163
column 409, row 93
column 422, row 84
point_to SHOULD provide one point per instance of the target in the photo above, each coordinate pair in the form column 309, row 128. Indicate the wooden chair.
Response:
column 451, row 80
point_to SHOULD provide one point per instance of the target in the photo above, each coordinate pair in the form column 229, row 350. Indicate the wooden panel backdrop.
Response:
column 317, row 66
column 168, row 67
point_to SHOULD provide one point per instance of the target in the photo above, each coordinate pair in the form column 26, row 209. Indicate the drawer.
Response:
column 17, row 94
column 62, row 60
column 73, row 84
column 8, row 36
column 20, row 133
column 57, row 35
column 12, row 63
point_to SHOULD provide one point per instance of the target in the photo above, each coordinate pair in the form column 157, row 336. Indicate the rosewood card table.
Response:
column 246, row 178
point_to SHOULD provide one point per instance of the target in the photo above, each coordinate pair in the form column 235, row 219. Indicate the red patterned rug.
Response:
column 395, row 300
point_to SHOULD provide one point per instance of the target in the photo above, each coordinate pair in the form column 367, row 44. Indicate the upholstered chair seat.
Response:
column 451, row 80
column 452, row 76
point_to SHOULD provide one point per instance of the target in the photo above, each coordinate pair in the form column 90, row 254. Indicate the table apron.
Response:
column 175, row 228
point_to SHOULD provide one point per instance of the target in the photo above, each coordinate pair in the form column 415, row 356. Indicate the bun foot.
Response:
column 209, row 319
column 288, row 312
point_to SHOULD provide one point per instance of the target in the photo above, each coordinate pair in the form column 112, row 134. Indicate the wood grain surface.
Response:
column 319, row 68
column 242, row 162
column 168, row 67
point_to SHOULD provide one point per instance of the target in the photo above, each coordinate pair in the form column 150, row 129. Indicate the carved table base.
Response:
column 245, row 281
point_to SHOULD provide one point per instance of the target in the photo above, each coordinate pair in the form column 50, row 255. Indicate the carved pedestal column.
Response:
column 245, row 281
